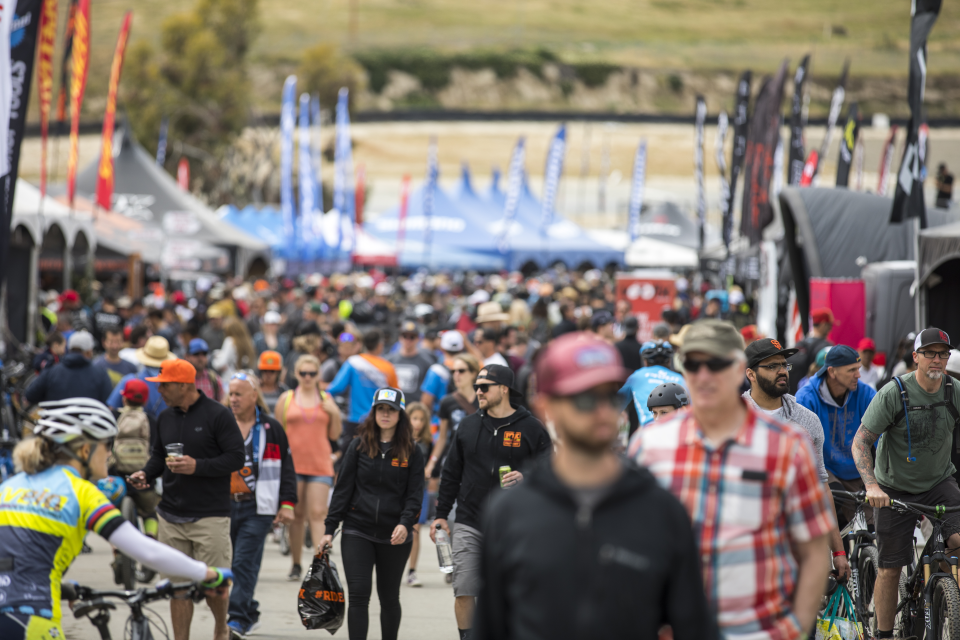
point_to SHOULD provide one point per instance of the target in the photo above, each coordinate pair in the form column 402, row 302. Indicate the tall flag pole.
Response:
column 514, row 187
column 46, row 44
column 162, row 141
column 78, row 83
column 795, row 169
column 105, row 173
column 701, row 118
column 636, row 190
column 812, row 166
column 848, row 144
column 305, row 182
column 886, row 161
column 908, row 198
column 342, row 176
column 288, row 117
column 552, row 175
column 741, row 123
column 429, row 193
column 723, row 124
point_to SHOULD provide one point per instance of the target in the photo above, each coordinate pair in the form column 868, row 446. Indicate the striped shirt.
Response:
column 749, row 499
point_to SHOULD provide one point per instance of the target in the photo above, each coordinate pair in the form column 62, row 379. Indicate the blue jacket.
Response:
column 642, row 382
column 362, row 379
column 155, row 403
column 840, row 423
column 74, row 377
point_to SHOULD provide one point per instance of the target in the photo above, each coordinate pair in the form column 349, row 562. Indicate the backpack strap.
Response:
column 906, row 405
column 952, row 409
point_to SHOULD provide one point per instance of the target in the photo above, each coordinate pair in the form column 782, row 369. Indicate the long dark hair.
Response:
column 369, row 435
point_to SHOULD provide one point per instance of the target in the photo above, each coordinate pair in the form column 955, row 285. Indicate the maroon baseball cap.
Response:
column 576, row 362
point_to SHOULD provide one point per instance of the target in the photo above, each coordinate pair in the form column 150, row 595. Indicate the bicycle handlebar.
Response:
column 935, row 511
column 163, row 590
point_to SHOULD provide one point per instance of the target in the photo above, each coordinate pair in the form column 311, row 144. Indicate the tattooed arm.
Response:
column 863, row 457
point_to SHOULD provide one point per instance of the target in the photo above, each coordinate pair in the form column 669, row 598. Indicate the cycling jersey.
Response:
column 642, row 382
column 43, row 520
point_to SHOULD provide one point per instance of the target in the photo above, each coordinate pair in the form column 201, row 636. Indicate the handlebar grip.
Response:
column 68, row 591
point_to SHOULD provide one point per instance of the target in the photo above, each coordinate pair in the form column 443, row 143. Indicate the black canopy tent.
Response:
column 939, row 271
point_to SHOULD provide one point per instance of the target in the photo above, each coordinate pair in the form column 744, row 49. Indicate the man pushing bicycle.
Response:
column 918, row 414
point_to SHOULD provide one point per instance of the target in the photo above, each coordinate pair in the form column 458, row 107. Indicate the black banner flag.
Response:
column 741, row 120
column 795, row 167
column 847, row 144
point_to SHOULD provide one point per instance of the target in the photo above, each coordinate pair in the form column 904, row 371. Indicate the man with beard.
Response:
column 769, row 376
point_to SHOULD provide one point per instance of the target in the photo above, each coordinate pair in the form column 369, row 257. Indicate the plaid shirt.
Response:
column 748, row 498
column 205, row 382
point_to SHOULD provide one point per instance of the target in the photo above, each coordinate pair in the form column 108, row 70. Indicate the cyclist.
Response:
column 667, row 399
column 47, row 509
column 656, row 371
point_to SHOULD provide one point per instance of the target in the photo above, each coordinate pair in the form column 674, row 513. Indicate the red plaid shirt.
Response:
column 749, row 499
column 205, row 381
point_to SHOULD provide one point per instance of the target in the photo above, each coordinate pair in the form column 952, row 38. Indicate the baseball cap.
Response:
column 270, row 361
column 69, row 296
column 271, row 317
column 390, row 397
column 175, row 371
column 600, row 319
column 713, row 337
column 451, row 342
column 927, row 337
column 81, row 340
column 136, row 391
column 821, row 315
column 499, row 374
column 839, row 356
column 760, row 350
column 576, row 362
column 409, row 326
column 822, row 356
column 750, row 333
column 866, row 344
column 198, row 345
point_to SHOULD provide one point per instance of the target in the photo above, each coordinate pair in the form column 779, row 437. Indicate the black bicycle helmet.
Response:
column 656, row 352
column 668, row 394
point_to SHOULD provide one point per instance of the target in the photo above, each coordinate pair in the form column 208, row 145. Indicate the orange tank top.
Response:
column 307, row 431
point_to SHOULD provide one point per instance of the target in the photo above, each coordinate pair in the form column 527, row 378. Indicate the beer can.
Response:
column 504, row 471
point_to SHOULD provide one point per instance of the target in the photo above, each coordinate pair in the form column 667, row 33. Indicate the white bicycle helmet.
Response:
column 65, row 420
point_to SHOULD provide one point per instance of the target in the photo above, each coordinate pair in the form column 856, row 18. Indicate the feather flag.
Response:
column 343, row 175
column 636, row 190
column 429, row 192
column 78, row 83
column 288, row 116
column 305, row 178
column 105, row 173
column 45, row 48
column 701, row 118
column 316, row 160
column 514, row 187
column 162, row 141
column 722, row 124
column 65, row 65
column 551, row 179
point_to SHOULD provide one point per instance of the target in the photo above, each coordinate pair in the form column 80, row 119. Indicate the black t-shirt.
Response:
column 451, row 410
column 411, row 370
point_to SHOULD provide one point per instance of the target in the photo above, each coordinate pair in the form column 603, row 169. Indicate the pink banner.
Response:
column 846, row 297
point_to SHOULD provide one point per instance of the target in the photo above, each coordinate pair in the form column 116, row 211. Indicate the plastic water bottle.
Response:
column 444, row 551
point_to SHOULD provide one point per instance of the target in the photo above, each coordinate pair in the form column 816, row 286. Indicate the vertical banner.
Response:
column 514, row 187
column 360, row 198
column 342, row 175
column 741, row 123
column 316, row 156
column 859, row 152
column 162, row 141
column 7, row 17
column 46, row 44
column 551, row 177
column 105, row 172
column 719, row 143
column 908, row 198
column 78, row 83
column 404, row 204
column 701, row 118
column 305, row 184
column 762, row 139
column 886, row 161
column 836, row 103
column 848, row 143
column 65, row 66
column 183, row 174
column 429, row 192
column 636, row 190
column 288, row 117
column 795, row 168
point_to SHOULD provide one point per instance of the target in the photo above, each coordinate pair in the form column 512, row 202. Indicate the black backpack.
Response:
column 946, row 402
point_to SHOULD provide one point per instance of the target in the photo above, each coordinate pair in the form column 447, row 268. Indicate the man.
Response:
column 498, row 435
column 410, row 363
column 869, row 374
column 629, row 347
column 437, row 382
column 195, row 508
column 505, row 347
column 839, row 399
column 207, row 379
column 264, row 493
column 111, row 362
column 568, row 320
column 73, row 310
column 152, row 355
column 74, row 377
column 490, row 315
column 769, row 376
column 486, row 341
column 655, row 372
column 106, row 318
column 601, row 323
column 212, row 331
column 913, row 461
column 587, row 508
column 361, row 375
column 137, row 337
column 666, row 399
column 944, row 187
column 810, row 346
column 751, row 488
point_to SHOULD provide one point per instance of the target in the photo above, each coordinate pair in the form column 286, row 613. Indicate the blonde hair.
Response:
column 472, row 363
column 35, row 455
column 236, row 329
column 426, row 436
column 309, row 357
column 307, row 344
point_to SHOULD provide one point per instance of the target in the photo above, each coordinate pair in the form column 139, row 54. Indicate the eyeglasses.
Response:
column 775, row 367
column 483, row 388
column 307, row 374
column 459, row 370
column 713, row 364
column 410, row 336
column 588, row 401
column 930, row 355
column 199, row 353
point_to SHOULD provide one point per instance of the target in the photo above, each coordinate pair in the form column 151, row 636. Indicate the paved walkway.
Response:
column 427, row 611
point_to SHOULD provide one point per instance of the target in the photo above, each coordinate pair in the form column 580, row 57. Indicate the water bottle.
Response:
column 444, row 551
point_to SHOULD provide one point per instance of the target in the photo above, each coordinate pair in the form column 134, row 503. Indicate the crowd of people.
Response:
column 671, row 487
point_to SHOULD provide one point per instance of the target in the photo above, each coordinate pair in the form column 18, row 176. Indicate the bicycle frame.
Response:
column 93, row 605
column 857, row 533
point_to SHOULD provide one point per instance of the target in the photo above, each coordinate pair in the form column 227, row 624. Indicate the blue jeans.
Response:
column 248, row 533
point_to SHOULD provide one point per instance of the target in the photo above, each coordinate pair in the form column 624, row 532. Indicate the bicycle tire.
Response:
column 127, row 565
column 945, row 610
column 909, row 619
column 868, row 567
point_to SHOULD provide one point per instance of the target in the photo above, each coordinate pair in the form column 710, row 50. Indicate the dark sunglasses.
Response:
column 459, row 370
column 713, row 364
column 410, row 336
column 588, row 401
column 199, row 353
column 483, row 388
column 307, row 374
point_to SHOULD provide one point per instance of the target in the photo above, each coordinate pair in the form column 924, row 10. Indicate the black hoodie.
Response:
column 479, row 449
column 553, row 569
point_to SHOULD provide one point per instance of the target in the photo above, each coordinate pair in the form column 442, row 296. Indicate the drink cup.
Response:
column 174, row 449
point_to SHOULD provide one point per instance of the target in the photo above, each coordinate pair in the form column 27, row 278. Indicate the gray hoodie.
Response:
column 792, row 413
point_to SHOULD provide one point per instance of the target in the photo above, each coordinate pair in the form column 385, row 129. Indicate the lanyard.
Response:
column 255, row 437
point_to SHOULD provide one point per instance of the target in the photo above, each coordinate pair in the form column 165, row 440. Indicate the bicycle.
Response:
column 93, row 604
column 128, row 571
column 863, row 556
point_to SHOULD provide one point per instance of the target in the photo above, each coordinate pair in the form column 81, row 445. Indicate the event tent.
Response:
column 939, row 275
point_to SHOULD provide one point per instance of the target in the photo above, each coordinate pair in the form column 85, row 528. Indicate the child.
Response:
column 56, row 347
column 131, row 449
column 420, row 421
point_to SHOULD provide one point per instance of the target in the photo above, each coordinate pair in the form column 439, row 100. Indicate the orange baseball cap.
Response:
column 176, row 371
column 270, row 361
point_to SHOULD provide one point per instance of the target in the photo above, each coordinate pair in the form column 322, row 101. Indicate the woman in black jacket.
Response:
column 378, row 498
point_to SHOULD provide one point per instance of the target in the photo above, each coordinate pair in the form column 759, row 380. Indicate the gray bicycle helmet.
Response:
column 668, row 394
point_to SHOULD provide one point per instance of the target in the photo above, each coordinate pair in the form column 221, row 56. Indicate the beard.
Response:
column 771, row 388
column 934, row 375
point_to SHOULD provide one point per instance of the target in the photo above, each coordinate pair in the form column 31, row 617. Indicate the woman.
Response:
column 237, row 351
column 378, row 498
column 307, row 341
column 269, row 366
column 311, row 419
column 69, row 454
column 454, row 407
column 420, row 423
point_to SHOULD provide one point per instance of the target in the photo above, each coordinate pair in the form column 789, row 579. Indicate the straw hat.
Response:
column 491, row 312
column 155, row 352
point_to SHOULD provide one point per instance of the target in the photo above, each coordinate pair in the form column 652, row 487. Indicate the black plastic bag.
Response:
column 321, row 602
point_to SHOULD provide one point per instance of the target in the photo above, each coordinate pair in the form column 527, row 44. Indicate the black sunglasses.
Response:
column 483, row 388
column 713, row 364
column 459, row 370
column 307, row 374
column 199, row 353
column 588, row 401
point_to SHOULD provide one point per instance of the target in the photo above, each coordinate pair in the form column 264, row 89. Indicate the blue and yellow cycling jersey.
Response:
column 43, row 520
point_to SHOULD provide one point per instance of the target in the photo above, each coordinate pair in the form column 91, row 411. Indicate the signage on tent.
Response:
column 181, row 223
column 648, row 296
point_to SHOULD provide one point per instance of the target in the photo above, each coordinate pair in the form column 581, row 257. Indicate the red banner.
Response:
column 46, row 43
column 360, row 193
column 183, row 174
column 402, row 227
column 105, row 173
column 78, row 83
column 65, row 62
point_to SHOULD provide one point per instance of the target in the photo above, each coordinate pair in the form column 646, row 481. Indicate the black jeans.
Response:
column 360, row 556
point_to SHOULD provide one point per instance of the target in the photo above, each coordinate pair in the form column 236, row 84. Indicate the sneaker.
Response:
column 253, row 627
column 413, row 580
column 236, row 630
column 294, row 574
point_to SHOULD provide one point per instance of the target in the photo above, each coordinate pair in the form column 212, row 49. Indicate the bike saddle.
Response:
column 88, row 607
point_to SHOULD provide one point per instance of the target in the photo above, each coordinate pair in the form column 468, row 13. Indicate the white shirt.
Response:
column 496, row 358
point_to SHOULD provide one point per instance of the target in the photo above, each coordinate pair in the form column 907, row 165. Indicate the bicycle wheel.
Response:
column 126, row 573
column 909, row 620
column 945, row 610
column 868, row 566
